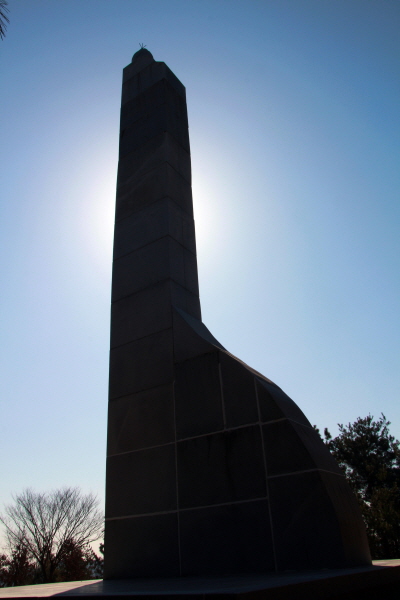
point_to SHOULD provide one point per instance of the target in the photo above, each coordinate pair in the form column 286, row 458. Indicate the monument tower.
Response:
column 212, row 469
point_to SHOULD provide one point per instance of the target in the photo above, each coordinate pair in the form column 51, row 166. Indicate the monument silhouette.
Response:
column 212, row 469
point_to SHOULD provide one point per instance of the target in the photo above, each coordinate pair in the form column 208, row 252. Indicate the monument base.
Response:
column 362, row 583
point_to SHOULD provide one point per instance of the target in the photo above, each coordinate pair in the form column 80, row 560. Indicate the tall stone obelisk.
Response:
column 212, row 469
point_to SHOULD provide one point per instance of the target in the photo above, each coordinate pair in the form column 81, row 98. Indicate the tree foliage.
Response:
column 3, row 18
column 16, row 569
column 370, row 459
column 53, row 532
column 79, row 563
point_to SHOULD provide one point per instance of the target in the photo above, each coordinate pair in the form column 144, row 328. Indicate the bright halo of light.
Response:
column 96, row 213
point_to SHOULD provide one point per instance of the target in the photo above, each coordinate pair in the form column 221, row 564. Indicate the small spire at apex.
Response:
column 142, row 55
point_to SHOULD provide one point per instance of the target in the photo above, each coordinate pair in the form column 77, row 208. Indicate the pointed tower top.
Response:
column 142, row 58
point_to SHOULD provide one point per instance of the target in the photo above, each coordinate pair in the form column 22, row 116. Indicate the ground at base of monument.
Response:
column 382, row 580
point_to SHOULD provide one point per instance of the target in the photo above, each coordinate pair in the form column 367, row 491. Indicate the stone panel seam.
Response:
column 159, row 284
column 134, row 211
column 147, row 171
column 184, row 215
column 194, row 437
column 285, row 419
column 205, row 506
column 138, row 340
column 163, row 134
column 222, row 392
column 148, row 91
column 164, row 131
column 139, row 210
column 165, row 162
column 266, row 477
column 154, row 514
column 156, row 387
column 167, row 235
column 132, row 96
column 137, row 148
column 176, row 466
column 178, row 441
column 150, row 286
column 126, row 81
column 316, row 470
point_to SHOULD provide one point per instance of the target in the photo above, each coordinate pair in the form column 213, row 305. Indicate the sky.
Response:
column 294, row 128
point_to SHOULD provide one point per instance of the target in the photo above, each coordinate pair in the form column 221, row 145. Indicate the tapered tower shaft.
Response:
column 154, row 245
column 212, row 469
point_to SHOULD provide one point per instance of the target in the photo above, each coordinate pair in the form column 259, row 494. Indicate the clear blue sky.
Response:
column 294, row 126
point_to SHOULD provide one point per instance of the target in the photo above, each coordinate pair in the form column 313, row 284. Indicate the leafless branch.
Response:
column 44, row 524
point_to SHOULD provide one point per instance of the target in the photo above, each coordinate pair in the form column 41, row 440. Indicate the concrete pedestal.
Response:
column 382, row 580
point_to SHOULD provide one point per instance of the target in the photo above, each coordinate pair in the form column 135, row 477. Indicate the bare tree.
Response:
column 45, row 524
